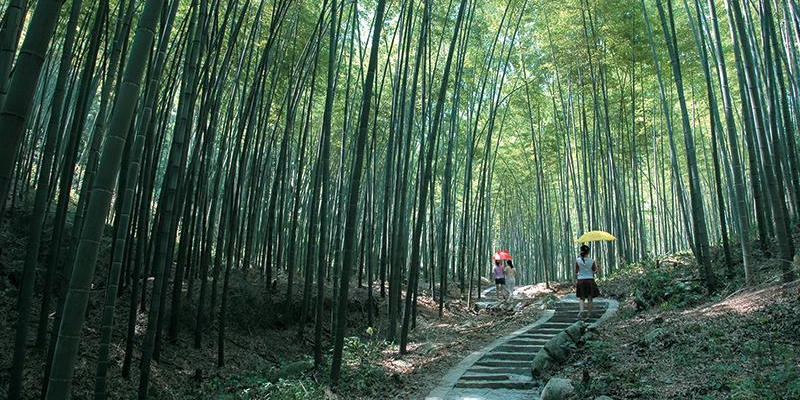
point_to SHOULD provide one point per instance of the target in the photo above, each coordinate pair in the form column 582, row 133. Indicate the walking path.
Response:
column 502, row 370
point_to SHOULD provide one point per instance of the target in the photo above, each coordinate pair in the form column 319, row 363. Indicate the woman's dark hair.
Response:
column 509, row 263
column 496, row 262
column 584, row 251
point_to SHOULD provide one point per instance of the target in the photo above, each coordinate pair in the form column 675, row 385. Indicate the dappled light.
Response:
column 745, row 301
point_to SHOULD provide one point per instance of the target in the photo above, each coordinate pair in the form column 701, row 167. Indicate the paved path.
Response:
column 501, row 370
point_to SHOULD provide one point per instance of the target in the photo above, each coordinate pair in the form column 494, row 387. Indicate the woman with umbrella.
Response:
column 586, row 288
column 586, row 267
column 499, row 277
column 499, row 272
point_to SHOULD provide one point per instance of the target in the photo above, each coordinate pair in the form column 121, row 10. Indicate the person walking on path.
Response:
column 499, row 278
column 510, row 277
column 585, row 288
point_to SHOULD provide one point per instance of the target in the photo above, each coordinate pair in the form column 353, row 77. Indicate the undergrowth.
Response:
column 674, row 340
column 261, row 388
column 666, row 285
column 361, row 370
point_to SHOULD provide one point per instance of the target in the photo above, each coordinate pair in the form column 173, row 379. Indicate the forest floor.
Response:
column 257, row 355
column 671, row 340
column 264, row 359
column 674, row 341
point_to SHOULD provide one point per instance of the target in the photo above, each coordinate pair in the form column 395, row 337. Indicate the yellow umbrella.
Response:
column 596, row 236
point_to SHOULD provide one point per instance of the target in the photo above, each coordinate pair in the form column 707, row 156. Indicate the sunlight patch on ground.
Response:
column 743, row 302
column 530, row 291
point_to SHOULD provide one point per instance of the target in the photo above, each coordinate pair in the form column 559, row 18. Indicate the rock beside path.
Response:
column 540, row 363
column 558, row 348
column 558, row 389
column 576, row 330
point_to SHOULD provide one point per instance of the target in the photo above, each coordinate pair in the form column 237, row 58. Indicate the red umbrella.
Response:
column 502, row 255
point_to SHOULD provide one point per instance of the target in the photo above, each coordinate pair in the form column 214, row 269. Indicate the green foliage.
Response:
column 655, row 285
column 549, row 299
column 621, row 283
column 361, row 360
column 779, row 376
column 591, row 388
column 600, row 353
column 680, row 294
column 257, row 387
column 772, row 373
column 265, row 383
column 600, row 356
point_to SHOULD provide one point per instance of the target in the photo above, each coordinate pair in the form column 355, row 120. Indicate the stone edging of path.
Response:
column 452, row 376
column 611, row 309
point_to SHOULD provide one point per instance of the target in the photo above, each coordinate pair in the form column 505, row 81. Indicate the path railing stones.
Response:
column 502, row 370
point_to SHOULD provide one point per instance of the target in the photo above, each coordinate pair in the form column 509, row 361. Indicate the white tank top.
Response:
column 585, row 267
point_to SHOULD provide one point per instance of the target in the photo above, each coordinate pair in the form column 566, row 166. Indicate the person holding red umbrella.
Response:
column 501, row 273
column 499, row 277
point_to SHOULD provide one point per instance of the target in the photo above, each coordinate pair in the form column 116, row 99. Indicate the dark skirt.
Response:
column 587, row 288
column 500, row 281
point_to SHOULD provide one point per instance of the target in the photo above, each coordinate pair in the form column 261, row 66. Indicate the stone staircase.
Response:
column 508, row 366
column 504, row 371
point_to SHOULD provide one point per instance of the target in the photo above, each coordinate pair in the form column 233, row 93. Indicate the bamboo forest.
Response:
column 399, row 199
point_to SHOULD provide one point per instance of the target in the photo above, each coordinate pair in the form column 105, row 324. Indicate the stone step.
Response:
column 595, row 303
column 503, row 363
column 537, row 332
column 567, row 320
column 495, row 385
column 500, row 370
column 533, row 335
column 519, row 348
column 572, row 317
column 526, row 343
column 509, row 356
column 485, row 377
column 574, row 314
column 589, row 320
column 555, row 324
column 576, row 309
column 552, row 331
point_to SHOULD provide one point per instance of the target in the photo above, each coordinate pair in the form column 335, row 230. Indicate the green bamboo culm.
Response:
column 126, row 199
column 10, row 29
column 742, row 218
column 322, row 187
column 355, row 184
column 22, row 87
column 41, row 198
column 77, row 298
